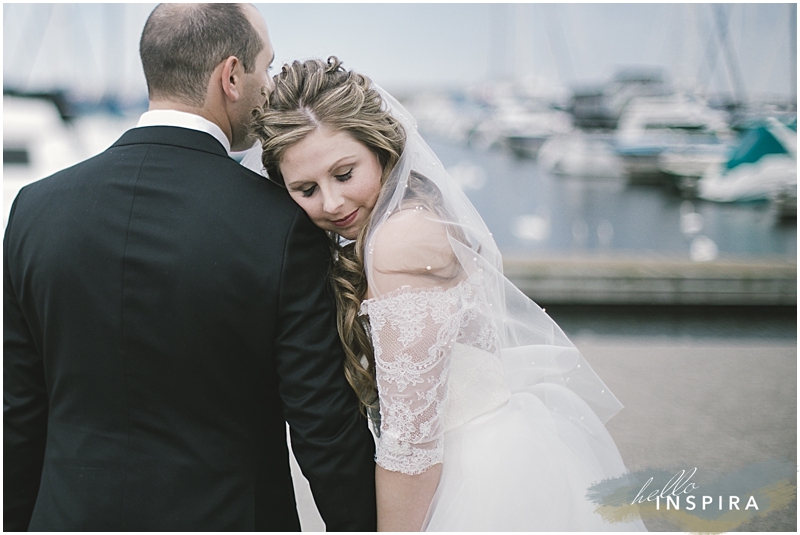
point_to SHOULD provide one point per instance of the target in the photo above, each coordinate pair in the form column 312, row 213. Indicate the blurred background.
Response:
column 599, row 129
column 636, row 163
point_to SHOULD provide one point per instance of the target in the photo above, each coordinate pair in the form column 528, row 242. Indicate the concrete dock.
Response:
column 654, row 280
column 718, row 405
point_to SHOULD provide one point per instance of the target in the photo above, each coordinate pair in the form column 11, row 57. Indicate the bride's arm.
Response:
column 412, row 332
column 403, row 500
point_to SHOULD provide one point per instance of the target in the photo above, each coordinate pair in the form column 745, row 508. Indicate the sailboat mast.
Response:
column 793, row 55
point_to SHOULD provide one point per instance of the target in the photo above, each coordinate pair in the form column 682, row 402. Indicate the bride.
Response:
column 486, row 415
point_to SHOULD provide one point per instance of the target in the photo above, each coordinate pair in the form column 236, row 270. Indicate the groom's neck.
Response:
column 176, row 106
column 218, row 119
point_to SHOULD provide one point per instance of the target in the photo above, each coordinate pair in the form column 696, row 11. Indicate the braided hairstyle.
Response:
column 316, row 93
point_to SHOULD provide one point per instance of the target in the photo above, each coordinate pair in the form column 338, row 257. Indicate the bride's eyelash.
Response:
column 345, row 177
column 308, row 192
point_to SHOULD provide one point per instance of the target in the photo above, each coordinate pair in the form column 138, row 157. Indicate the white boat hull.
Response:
column 757, row 181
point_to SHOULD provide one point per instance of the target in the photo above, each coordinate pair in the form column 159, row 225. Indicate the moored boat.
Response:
column 681, row 130
column 762, row 166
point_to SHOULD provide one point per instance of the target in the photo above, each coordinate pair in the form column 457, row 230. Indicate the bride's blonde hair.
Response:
column 308, row 95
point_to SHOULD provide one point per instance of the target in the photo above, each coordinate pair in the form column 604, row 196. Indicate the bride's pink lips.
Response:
column 346, row 220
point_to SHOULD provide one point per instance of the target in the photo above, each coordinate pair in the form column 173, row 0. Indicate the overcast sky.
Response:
column 93, row 48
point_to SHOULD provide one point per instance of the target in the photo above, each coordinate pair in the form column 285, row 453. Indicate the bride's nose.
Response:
column 332, row 201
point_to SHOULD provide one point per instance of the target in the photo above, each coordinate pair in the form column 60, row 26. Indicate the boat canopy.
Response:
column 756, row 143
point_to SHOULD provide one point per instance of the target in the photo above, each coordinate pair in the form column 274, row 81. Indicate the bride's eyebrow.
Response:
column 339, row 162
column 298, row 184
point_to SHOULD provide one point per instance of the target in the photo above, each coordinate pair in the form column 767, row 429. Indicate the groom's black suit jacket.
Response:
column 165, row 312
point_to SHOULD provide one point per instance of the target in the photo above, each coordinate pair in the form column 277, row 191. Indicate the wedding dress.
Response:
column 471, row 373
column 509, row 462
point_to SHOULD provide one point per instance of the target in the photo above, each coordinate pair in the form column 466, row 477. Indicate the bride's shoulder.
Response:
column 412, row 239
column 407, row 225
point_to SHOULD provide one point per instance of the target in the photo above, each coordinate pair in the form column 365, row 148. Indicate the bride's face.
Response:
column 334, row 178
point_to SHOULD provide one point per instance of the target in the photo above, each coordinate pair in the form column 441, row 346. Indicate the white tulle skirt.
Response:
column 521, row 467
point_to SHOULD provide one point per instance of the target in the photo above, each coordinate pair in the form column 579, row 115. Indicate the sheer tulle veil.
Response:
column 536, row 355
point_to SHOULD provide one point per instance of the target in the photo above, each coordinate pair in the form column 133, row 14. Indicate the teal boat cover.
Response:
column 756, row 142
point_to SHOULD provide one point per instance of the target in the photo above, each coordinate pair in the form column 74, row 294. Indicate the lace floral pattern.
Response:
column 485, row 338
column 413, row 332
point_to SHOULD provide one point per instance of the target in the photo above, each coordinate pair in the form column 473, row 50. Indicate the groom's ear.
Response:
column 232, row 78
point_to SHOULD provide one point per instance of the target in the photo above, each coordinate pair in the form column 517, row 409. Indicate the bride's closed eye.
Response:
column 309, row 191
column 345, row 177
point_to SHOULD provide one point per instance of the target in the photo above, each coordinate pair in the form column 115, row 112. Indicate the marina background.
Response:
column 92, row 49
column 596, row 140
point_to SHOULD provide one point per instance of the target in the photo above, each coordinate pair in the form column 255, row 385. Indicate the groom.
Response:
column 166, row 311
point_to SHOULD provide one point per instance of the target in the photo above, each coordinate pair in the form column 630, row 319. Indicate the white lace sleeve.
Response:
column 413, row 332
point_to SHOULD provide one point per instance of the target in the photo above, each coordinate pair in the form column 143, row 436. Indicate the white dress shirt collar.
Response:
column 184, row 120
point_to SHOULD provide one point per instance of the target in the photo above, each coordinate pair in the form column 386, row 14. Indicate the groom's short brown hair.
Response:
column 182, row 44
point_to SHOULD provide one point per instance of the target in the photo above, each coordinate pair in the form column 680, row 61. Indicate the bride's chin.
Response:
column 349, row 234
